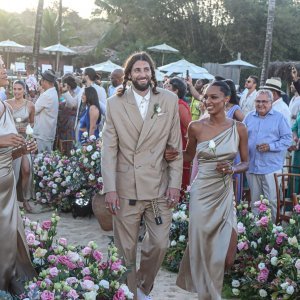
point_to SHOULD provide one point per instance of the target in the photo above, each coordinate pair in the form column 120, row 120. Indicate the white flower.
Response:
column 92, row 137
column 290, row 290
column 90, row 295
column 279, row 273
column 293, row 241
column 261, row 266
column 100, row 180
column 284, row 285
column 104, row 283
column 89, row 148
column 72, row 152
column 91, row 177
column 85, row 160
column 176, row 216
column 173, row 243
column 274, row 261
column 18, row 120
column 158, row 109
column 126, row 290
column 92, row 163
column 54, row 191
column 263, row 293
column 29, row 130
column 181, row 238
column 274, row 252
column 235, row 292
column 212, row 145
column 85, row 134
column 253, row 244
column 235, row 283
column 259, row 241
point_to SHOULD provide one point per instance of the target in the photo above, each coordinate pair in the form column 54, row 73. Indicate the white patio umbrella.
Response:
column 58, row 48
column 163, row 48
column 182, row 66
column 239, row 64
column 106, row 66
column 159, row 75
column 7, row 45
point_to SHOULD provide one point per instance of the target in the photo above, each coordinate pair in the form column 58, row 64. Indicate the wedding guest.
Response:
column 31, row 84
column 91, row 118
column 116, row 79
column 23, row 114
column 15, row 264
column 46, row 112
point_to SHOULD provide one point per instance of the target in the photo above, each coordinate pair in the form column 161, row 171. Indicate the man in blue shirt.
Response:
column 269, row 136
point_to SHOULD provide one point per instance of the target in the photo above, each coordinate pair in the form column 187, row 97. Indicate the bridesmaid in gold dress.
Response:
column 23, row 114
column 212, row 232
column 15, row 265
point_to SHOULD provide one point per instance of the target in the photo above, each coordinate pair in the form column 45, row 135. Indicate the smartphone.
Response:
column 187, row 74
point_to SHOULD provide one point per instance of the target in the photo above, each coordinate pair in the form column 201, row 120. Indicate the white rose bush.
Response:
column 60, row 181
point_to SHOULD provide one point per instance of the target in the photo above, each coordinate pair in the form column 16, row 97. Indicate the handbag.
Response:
column 102, row 214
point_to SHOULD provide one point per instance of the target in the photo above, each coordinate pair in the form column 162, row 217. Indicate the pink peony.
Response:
column 297, row 208
column 30, row 239
column 53, row 272
column 47, row 295
column 97, row 255
column 72, row 295
column 87, row 285
column 263, row 221
column 242, row 246
column 119, row 295
column 71, row 280
column 115, row 266
column 241, row 228
column 262, row 207
column 263, row 275
column 86, row 271
column 46, row 225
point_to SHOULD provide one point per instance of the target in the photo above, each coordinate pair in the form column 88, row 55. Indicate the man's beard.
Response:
column 140, row 87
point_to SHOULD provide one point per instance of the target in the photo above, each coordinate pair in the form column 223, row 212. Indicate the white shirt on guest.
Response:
column 142, row 102
column 102, row 97
column 294, row 108
column 247, row 102
column 282, row 107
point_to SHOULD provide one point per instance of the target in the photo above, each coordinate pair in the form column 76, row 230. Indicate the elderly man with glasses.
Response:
column 269, row 137
column 248, row 97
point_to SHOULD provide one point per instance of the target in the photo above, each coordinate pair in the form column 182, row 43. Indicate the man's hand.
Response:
column 263, row 147
column 173, row 197
column 171, row 154
column 31, row 146
column 11, row 140
column 112, row 202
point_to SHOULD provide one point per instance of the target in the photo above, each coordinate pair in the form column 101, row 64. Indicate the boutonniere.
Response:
column 156, row 109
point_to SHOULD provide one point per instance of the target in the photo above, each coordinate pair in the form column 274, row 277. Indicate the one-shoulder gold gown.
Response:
column 15, row 265
column 212, row 218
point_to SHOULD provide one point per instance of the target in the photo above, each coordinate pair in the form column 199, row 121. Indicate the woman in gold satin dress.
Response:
column 15, row 265
column 212, row 231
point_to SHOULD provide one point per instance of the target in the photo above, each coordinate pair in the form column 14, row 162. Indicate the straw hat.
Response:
column 272, row 84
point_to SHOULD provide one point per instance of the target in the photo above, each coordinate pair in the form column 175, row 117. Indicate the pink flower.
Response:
column 115, row 266
column 62, row 242
column 87, row 285
column 263, row 275
column 297, row 208
column 119, row 295
column 263, row 221
column 97, row 255
column 103, row 266
column 52, row 259
column 297, row 264
column 46, row 225
column 71, row 280
column 262, row 207
column 30, row 239
column 72, row 294
column 53, row 272
column 86, row 271
column 47, row 295
column 242, row 246
column 240, row 227
column 279, row 240
column 86, row 251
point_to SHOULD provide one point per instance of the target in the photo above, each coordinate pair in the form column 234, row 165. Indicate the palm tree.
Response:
column 37, row 34
column 268, row 41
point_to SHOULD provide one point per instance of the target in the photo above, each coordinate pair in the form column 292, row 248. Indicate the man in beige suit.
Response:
column 141, row 122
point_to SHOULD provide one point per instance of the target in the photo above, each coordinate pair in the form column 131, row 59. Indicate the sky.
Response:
column 84, row 8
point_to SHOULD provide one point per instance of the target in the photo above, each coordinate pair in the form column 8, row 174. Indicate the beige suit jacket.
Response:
column 133, row 161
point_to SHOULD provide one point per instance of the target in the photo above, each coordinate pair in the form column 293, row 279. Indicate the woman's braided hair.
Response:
column 144, row 56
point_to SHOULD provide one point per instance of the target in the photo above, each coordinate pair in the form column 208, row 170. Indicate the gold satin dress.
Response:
column 15, row 265
column 212, row 218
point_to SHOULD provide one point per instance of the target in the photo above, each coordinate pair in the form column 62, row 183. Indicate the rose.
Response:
column 263, row 293
column 235, row 283
column 212, row 145
column 72, row 294
column 46, row 225
column 263, row 275
column 30, row 239
column 85, row 271
column 119, row 295
column 240, row 227
column 116, row 265
column 86, row 251
column 62, row 242
column 97, row 255
column 53, row 272
column 297, row 208
column 89, row 148
column 29, row 130
column 87, row 285
column 47, row 295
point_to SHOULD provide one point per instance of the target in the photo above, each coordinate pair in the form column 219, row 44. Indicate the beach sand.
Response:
column 80, row 231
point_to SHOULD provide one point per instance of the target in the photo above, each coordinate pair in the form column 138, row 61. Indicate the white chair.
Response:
column 68, row 69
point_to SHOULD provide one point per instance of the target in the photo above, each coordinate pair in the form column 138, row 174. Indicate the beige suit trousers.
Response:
column 154, row 246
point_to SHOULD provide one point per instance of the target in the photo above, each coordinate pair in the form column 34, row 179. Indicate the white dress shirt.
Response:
column 282, row 107
column 102, row 97
column 142, row 102
column 294, row 108
column 247, row 103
